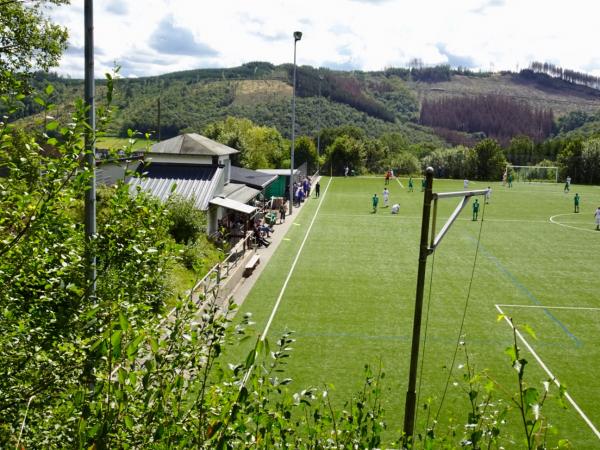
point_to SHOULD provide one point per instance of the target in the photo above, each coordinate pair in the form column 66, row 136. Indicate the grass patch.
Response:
column 350, row 298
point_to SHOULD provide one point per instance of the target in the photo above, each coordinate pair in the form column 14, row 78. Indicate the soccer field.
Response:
column 344, row 280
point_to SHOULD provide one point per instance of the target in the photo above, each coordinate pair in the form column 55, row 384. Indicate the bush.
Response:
column 187, row 222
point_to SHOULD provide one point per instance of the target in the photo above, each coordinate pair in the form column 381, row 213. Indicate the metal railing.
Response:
column 211, row 282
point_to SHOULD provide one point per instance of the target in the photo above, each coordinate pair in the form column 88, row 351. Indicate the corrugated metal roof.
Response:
column 245, row 194
column 192, row 182
column 252, row 178
column 232, row 204
column 192, row 144
column 109, row 173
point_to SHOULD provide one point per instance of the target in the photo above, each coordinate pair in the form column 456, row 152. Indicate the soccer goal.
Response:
column 536, row 174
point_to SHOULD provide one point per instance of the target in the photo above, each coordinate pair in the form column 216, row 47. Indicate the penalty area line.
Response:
column 400, row 183
column 550, row 374
column 573, row 308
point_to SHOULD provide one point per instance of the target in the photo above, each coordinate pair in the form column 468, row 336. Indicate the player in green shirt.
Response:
column 375, row 202
column 410, row 184
column 576, row 202
column 475, row 209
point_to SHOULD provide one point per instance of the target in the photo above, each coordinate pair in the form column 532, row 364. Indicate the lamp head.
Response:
column 297, row 35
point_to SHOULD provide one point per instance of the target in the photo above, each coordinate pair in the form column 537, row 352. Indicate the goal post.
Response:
column 536, row 174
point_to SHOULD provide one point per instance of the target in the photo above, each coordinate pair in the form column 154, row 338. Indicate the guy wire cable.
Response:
column 462, row 323
column 425, row 337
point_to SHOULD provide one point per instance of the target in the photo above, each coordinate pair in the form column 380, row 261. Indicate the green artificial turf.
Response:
column 350, row 298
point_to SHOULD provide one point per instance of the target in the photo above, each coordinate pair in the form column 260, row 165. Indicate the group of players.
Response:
column 507, row 179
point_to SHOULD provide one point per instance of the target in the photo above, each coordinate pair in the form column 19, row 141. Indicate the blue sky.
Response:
column 151, row 37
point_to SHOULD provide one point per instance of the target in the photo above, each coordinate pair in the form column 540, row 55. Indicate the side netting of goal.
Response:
column 533, row 174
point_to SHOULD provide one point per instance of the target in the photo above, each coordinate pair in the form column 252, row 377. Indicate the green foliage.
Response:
column 259, row 147
column 305, row 151
column 489, row 160
column 528, row 400
column 186, row 221
column 590, row 161
column 405, row 163
column 573, row 120
column 345, row 151
column 28, row 40
column 457, row 162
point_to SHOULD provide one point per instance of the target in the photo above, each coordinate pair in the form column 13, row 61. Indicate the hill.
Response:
column 378, row 102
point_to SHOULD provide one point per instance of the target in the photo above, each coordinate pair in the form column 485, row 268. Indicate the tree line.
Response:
column 571, row 76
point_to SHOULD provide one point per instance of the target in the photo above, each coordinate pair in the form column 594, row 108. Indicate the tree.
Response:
column 520, row 150
column 489, row 160
column 345, row 151
column 405, row 163
column 305, row 151
column 375, row 152
column 260, row 147
column 590, row 159
column 570, row 161
column 28, row 40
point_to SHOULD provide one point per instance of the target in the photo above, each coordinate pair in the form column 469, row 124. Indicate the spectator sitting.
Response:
column 265, row 229
column 260, row 240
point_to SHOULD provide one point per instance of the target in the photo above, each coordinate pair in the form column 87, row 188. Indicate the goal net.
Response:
column 533, row 174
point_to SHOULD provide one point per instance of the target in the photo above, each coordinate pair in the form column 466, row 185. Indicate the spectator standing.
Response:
column 281, row 213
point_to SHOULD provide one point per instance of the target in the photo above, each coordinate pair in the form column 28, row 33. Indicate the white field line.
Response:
column 551, row 219
column 400, row 216
column 574, row 308
column 551, row 375
column 400, row 183
column 287, row 279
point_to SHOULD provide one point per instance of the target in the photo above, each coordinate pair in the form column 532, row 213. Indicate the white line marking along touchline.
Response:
column 287, row 279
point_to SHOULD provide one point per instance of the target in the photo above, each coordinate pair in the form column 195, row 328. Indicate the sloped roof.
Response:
column 232, row 204
column 252, row 178
column 239, row 192
column 192, row 144
column 191, row 182
column 110, row 173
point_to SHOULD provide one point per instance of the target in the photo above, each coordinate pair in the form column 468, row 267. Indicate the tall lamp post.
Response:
column 90, row 148
column 319, row 129
column 297, row 37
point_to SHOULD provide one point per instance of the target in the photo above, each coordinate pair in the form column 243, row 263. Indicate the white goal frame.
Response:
column 525, row 171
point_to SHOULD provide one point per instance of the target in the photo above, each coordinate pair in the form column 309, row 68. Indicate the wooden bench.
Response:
column 251, row 265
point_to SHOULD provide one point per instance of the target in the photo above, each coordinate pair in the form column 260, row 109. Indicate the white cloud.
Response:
column 363, row 34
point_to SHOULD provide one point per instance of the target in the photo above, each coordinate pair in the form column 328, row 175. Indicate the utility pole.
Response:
column 90, row 147
column 425, row 250
column 411, row 393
